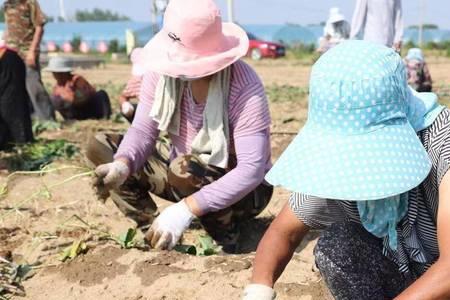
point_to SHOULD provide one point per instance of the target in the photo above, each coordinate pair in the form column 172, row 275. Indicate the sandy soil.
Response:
column 39, row 229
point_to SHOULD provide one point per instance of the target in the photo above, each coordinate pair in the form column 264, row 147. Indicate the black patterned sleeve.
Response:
column 317, row 213
column 442, row 139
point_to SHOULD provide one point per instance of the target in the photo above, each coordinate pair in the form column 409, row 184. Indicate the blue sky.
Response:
column 266, row 11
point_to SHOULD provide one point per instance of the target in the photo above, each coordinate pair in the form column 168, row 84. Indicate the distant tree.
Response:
column 113, row 46
column 425, row 26
column 98, row 15
column 2, row 14
column 52, row 19
column 76, row 42
column 410, row 44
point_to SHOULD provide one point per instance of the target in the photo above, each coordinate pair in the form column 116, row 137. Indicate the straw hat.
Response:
column 193, row 42
column 358, row 143
column 59, row 64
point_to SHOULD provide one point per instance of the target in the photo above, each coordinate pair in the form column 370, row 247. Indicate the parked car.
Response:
column 262, row 49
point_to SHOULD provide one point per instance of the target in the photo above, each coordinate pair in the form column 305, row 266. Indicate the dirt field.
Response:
column 37, row 230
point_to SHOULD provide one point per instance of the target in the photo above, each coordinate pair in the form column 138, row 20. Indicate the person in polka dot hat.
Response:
column 369, row 168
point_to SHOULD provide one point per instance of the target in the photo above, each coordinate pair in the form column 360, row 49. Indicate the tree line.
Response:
column 96, row 14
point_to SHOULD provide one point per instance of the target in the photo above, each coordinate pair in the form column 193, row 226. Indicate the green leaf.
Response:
column 77, row 248
column 23, row 271
column 34, row 156
column 126, row 240
column 186, row 249
column 207, row 246
column 206, row 242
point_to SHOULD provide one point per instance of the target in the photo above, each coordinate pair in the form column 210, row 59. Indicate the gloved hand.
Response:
column 127, row 108
column 167, row 229
column 258, row 292
column 110, row 176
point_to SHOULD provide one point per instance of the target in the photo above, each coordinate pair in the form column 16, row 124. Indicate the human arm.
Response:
column 65, row 93
column 277, row 246
column 38, row 20
column 249, row 126
column 359, row 18
column 82, row 90
column 435, row 283
column 140, row 139
column 131, row 91
column 31, row 58
column 252, row 154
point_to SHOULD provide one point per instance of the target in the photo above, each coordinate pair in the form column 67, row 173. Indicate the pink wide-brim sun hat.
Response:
column 193, row 42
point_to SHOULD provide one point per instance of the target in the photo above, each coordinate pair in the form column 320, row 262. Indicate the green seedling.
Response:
column 41, row 126
column 34, row 156
column 186, row 249
column 77, row 248
column 127, row 240
column 205, row 247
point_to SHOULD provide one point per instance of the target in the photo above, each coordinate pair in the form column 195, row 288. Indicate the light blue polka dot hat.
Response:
column 357, row 143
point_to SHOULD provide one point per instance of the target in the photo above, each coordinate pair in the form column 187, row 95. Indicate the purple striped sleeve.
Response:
column 139, row 141
column 252, row 153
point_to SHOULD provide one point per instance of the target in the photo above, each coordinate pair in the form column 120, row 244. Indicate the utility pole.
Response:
column 62, row 10
column 230, row 11
column 154, row 16
column 421, row 20
column 158, row 9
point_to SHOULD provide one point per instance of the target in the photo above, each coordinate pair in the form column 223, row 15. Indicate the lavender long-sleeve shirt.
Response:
column 249, row 121
column 381, row 21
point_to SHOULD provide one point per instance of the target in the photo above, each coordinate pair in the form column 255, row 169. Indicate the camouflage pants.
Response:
column 174, row 181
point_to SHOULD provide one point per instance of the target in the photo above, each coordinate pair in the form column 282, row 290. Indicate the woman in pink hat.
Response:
column 214, row 109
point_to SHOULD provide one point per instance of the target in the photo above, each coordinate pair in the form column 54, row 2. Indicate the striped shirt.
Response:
column 417, row 232
column 133, row 87
column 249, row 125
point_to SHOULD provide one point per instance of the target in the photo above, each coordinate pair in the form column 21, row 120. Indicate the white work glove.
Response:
column 258, row 292
column 110, row 176
column 168, row 228
column 127, row 108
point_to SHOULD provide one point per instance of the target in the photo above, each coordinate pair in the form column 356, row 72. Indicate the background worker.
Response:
column 25, row 27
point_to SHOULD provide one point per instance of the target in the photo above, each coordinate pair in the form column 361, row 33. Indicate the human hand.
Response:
column 258, row 292
column 30, row 59
column 127, row 108
column 110, row 176
column 397, row 46
column 167, row 229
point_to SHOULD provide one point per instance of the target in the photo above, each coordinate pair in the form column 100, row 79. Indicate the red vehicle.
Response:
column 262, row 49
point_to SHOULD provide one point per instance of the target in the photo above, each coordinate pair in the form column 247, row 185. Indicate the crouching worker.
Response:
column 131, row 91
column 419, row 77
column 73, row 96
column 15, row 109
column 359, row 171
column 215, row 111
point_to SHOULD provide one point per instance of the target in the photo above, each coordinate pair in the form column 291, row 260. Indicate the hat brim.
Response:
column 59, row 70
column 371, row 166
column 336, row 18
column 155, row 56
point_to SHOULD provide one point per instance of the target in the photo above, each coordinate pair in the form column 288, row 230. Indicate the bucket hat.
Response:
column 357, row 143
column 193, row 42
column 415, row 53
column 59, row 64
column 335, row 15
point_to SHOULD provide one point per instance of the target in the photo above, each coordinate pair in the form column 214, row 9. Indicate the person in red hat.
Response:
column 215, row 111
